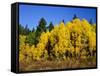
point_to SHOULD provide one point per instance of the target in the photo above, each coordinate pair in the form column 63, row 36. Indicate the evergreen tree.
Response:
column 26, row 31
column 51, row 26
column 21, row 29
column 40, row 28
column 91, row 21
column 42, row 25
column 63, row 21
column 75, row 16
column 30, row 38
column 33, row 30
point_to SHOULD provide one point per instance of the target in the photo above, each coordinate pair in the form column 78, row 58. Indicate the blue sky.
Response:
column 31, row 14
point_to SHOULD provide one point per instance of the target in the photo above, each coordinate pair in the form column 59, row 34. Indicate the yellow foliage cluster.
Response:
column 75, row 38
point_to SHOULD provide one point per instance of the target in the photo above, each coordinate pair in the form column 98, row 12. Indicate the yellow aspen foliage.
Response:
column 94, row 27
column 41, row 46
column 75, row 28
column 77, row 37
column 21, row 57
column 22, row 39
column 86, row 26
column 92, row 40
column 90, row 33
column 59, row 39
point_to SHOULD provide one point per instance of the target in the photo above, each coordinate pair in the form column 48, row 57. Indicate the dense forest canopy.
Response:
column 76, row 38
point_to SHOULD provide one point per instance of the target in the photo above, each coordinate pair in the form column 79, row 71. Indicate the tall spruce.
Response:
column 40, row 28
column 26, row 30
column 51, row 26
column 91, row 21
column 75, row 16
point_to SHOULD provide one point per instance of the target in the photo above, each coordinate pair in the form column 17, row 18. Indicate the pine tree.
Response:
column 42, row 25
column 63, row 21
column 91, row 21
column 26, row 30
column 75, row 16
column 40, row 28
column 51, row 26
column 21, row 29
column 33, row 30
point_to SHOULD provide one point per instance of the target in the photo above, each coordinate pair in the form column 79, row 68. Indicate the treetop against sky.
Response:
column 31, row 14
